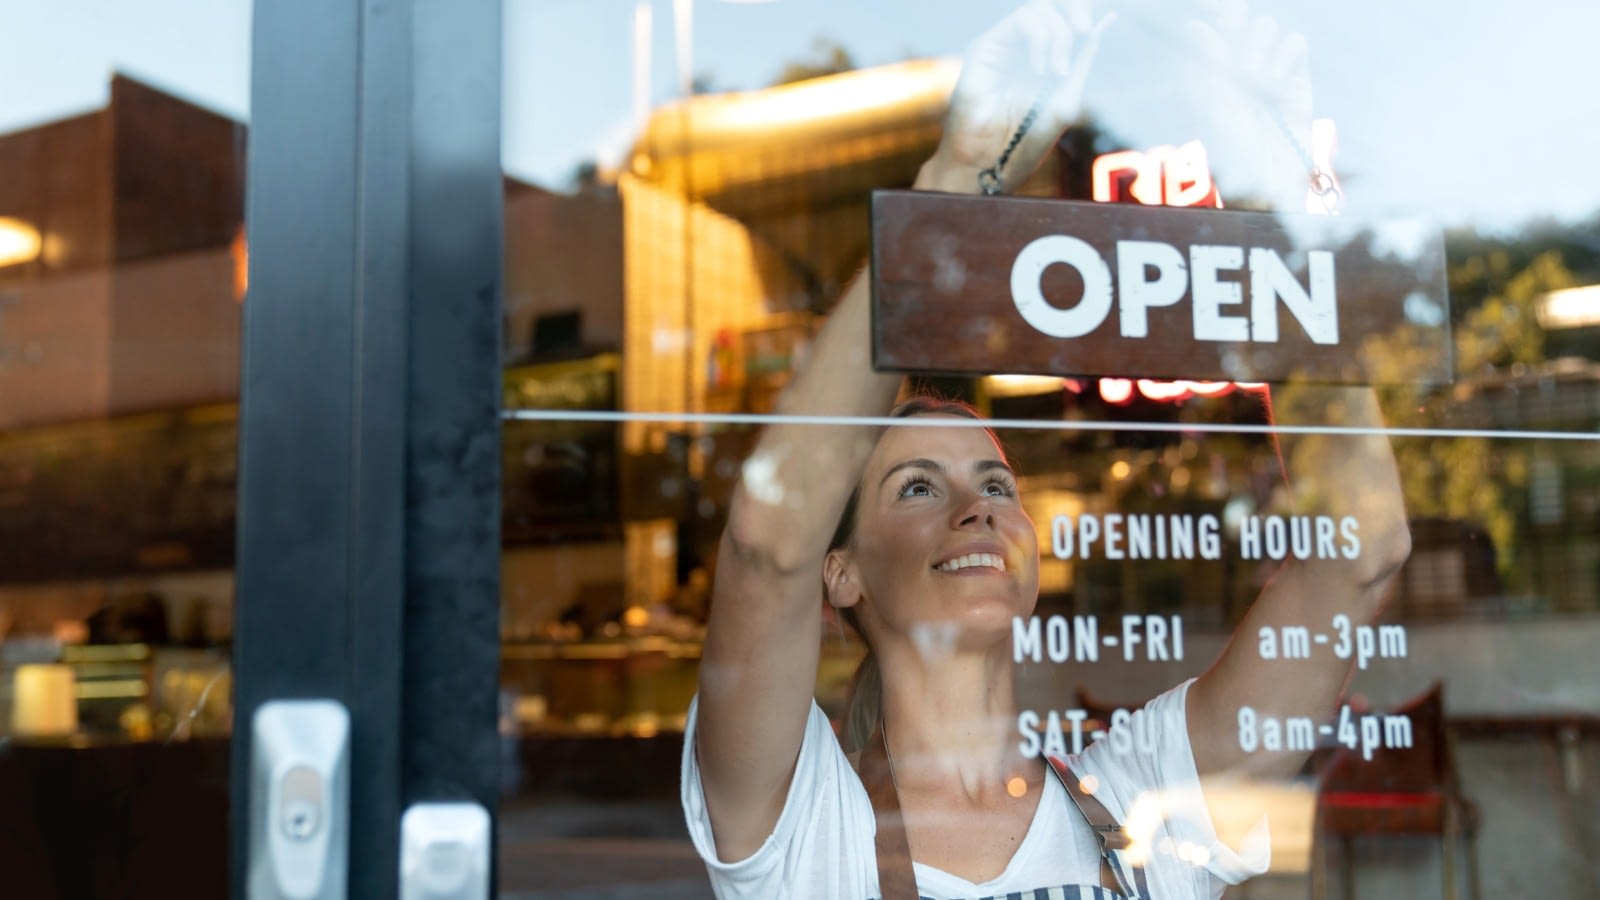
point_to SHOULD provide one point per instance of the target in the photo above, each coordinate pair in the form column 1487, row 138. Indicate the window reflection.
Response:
column 744, row 214
column 118, row 368
column 122, row 151
column 688, row 273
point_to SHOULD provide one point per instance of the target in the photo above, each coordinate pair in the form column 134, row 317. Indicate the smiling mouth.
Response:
column 972, row 561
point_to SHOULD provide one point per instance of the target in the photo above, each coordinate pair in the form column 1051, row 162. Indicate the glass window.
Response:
column 689, row 197
column 123, row 267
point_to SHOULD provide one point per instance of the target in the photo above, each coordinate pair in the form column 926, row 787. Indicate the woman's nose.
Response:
column 975, row 509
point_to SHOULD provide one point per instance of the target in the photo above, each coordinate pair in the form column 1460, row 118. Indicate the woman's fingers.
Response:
column 1007, row 44
column 1039, row 38
column 1206, row 44
column 1044, row 28
column 1232, row 14
column 1259, row 41
column 1290, row 59
column 1066, row 99
column 1080, row 14
column 1251, row 84
column 1037, row 56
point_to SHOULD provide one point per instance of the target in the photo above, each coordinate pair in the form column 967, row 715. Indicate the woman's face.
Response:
column 940, row 538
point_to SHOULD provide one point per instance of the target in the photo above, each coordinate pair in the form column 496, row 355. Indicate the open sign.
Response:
column 1051, row 287
column 1152, row 274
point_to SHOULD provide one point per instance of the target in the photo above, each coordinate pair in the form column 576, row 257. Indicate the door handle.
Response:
column 444, row 852
column 299, row 800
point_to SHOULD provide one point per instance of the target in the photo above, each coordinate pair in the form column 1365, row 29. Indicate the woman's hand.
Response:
column 1251, row 80
column 1039, row 55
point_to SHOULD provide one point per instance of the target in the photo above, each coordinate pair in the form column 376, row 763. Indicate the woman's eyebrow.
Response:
column 979, row 467
column 987, row 465
column 918, row 463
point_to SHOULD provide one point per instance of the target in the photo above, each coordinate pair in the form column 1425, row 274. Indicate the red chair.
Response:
column 1398, row 791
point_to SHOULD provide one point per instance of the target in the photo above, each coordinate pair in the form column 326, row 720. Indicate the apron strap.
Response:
column 896, row 880
column 1115, row 874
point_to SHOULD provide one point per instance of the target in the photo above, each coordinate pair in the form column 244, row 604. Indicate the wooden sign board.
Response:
column 982, row 285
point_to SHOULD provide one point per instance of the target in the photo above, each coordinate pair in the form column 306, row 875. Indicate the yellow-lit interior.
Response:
column 19, row 242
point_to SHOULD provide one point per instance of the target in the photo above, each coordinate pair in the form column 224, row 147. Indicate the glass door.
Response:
column 249, row 307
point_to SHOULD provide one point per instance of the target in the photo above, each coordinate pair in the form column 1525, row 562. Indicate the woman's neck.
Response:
column 949, row 718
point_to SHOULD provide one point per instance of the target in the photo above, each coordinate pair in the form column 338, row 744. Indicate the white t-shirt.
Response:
column 822, row 846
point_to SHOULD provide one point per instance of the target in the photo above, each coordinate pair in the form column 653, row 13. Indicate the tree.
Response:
column 1471, row 479
column 1481, row 265
column 828, row 57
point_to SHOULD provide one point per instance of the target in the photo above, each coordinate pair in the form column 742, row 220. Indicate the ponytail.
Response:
column 864, row 704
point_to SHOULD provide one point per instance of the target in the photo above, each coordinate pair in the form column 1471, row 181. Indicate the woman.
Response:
column 919, row 535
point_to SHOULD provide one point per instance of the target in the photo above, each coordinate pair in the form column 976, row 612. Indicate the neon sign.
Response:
column 1120, row 391
column 1161, row 176
column 1170, row 175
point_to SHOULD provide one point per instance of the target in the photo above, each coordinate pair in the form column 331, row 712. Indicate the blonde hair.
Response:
column 864, row 700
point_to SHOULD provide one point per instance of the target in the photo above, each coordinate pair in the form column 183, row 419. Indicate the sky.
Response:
column 1483, row 114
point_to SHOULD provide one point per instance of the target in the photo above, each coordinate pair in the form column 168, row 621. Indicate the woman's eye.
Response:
column 916, row 487
column 999, row 488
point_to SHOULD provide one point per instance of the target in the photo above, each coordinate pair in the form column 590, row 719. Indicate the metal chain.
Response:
column 990, row 180
column 1322, row 183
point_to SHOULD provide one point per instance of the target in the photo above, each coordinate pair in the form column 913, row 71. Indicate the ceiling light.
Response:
column 19, row 242
column 1570, row 308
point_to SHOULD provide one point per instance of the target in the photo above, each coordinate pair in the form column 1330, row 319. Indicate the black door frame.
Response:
column 369, row 461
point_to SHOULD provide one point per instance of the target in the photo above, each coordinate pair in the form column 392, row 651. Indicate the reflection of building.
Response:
column 119, row 358
column 129, row 303
column 745, row 214
column 691, row 281
column 694, row 282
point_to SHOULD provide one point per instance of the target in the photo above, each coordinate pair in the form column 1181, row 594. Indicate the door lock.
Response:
column 299, row 801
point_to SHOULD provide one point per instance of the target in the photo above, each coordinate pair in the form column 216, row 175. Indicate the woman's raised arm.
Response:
column 1347, row 478
column 1254, row 79
column 759, row 667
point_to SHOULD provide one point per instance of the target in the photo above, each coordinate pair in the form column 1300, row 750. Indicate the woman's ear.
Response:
column 842, row 587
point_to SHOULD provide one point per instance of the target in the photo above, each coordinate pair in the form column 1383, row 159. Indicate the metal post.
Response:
column 368, row 541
